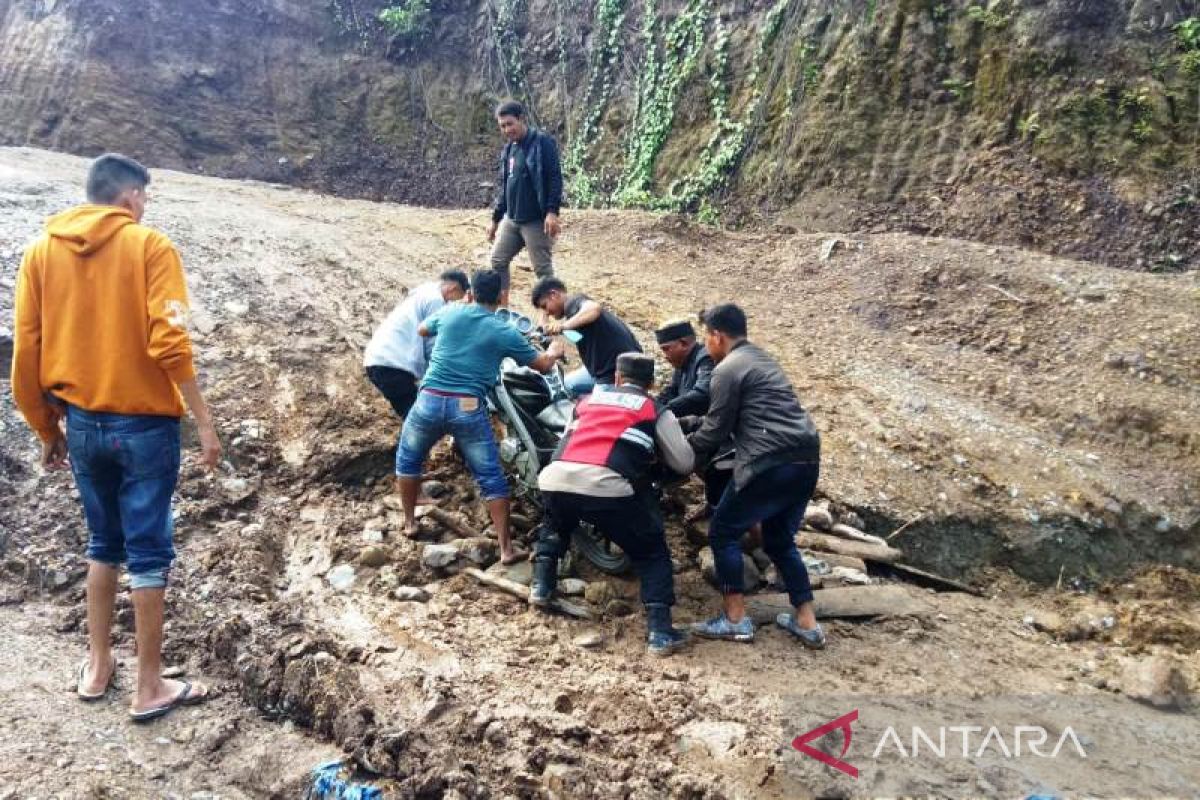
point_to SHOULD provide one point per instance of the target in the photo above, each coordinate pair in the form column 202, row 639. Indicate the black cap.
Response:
column 637, row 367
column 676, row 329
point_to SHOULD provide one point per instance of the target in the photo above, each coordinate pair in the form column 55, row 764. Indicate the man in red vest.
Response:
column 601, row 474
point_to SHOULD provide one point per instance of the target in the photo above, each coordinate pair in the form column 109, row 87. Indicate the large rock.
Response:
column 341, row 577
column 479, row 550
column 410, row 594
column 1156, row 682
column 572, row 587
column 598, row 593
column 439, row 556
column 818, row 518
column 374, row 556
column 751, row 575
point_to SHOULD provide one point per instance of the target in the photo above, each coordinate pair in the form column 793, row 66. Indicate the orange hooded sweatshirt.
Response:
column 101, row 316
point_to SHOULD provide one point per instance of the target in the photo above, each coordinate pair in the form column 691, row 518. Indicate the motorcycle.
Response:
column 534, row 410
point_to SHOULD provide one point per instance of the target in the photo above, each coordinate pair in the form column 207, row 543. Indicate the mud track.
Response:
column 1035, row 415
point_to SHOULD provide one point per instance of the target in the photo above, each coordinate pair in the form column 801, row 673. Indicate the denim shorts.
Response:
column 466, row 418
column 126, row 468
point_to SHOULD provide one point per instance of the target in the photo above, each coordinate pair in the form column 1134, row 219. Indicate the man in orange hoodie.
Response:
column 100, row 342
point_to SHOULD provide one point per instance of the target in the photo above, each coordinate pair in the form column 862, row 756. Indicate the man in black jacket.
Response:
column 687, row 393
column 688, row 397
column 776, row 463
column 528, row 196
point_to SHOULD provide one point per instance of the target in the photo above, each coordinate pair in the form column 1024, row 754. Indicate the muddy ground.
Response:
column 1034, row 416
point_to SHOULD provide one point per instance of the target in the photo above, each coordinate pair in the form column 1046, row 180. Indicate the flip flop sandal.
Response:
column 517, row 558
column 91, row 698
column 184, row 698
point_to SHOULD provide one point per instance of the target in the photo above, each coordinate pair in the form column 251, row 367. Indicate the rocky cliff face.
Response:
column 1068, row 126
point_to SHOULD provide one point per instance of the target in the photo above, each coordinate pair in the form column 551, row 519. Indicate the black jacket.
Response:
column 753, row 400
column 687, row 394
column 543, row 164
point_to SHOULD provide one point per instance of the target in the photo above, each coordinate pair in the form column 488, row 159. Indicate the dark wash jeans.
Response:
column 398, row 386
column 126, row 468
column 777, row 498
column 634, row 523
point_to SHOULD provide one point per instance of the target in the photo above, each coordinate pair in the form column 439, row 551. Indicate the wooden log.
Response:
column 521, row 591
column 849, row 602
column 854, row 534
column 451, row 522
column 848, row 547
column 932, row 580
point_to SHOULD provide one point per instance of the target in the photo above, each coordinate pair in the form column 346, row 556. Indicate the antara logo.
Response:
column 842, row 723
column 1029, row 739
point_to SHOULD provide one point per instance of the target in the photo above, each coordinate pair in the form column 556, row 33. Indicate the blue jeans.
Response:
column 432, row 417
column 126, row 468
column 776, row 498
column 579, row 382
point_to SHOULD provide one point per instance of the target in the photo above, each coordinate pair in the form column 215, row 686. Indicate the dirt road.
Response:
column 1034, row 413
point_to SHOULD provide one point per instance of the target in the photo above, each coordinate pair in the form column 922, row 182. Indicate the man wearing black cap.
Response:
column 688, row 397
column 601, row 474
column 687, row 393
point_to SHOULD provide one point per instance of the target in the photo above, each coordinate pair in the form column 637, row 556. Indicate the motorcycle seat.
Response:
column 556, row 416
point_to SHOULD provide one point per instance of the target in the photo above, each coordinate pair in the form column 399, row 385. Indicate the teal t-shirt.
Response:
column 471, row 342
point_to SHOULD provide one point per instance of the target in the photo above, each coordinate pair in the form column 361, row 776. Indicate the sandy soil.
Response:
column 1037, row 415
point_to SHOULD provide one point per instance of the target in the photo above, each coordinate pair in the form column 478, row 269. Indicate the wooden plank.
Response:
column 847, row 547
column 521, row 591
column 850, row 602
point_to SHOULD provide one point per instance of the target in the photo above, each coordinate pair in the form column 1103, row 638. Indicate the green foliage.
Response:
column 1190, row 64
column 407, row 19
column 1135, row 104
column 1187, row 38
column 958, row 87
column 707, row 213
column 988, row 17
column 609, row 17
column 1187, row 34
column 1028, row 127
column 725, row 148
column 508, row 48
column 660, row 83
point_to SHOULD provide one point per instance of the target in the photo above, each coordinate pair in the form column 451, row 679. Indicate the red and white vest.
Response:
column 614, row 428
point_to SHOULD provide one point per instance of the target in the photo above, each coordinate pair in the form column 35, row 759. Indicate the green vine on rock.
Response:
column 660, row 84
column 508, row 50
column 728, row 143
column 609, row 18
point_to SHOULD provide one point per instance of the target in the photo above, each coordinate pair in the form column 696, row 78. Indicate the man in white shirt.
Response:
column 397, row 354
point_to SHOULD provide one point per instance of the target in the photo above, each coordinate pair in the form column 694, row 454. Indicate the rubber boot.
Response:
column 662, row 637
column 545, row 580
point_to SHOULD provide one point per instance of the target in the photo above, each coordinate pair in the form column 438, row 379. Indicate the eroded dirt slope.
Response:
column 1033, row 412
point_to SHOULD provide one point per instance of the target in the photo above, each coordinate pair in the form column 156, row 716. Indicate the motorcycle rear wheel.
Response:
column 599, row 551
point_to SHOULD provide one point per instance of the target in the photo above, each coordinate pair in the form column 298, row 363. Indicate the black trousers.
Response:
column 397, row 385
column 633, row 523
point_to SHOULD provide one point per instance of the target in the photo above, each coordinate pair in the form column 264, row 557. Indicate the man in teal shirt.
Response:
column 471, row 343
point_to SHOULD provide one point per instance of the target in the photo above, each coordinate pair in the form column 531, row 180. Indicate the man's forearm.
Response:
column 586, row 316
column 195, row 403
